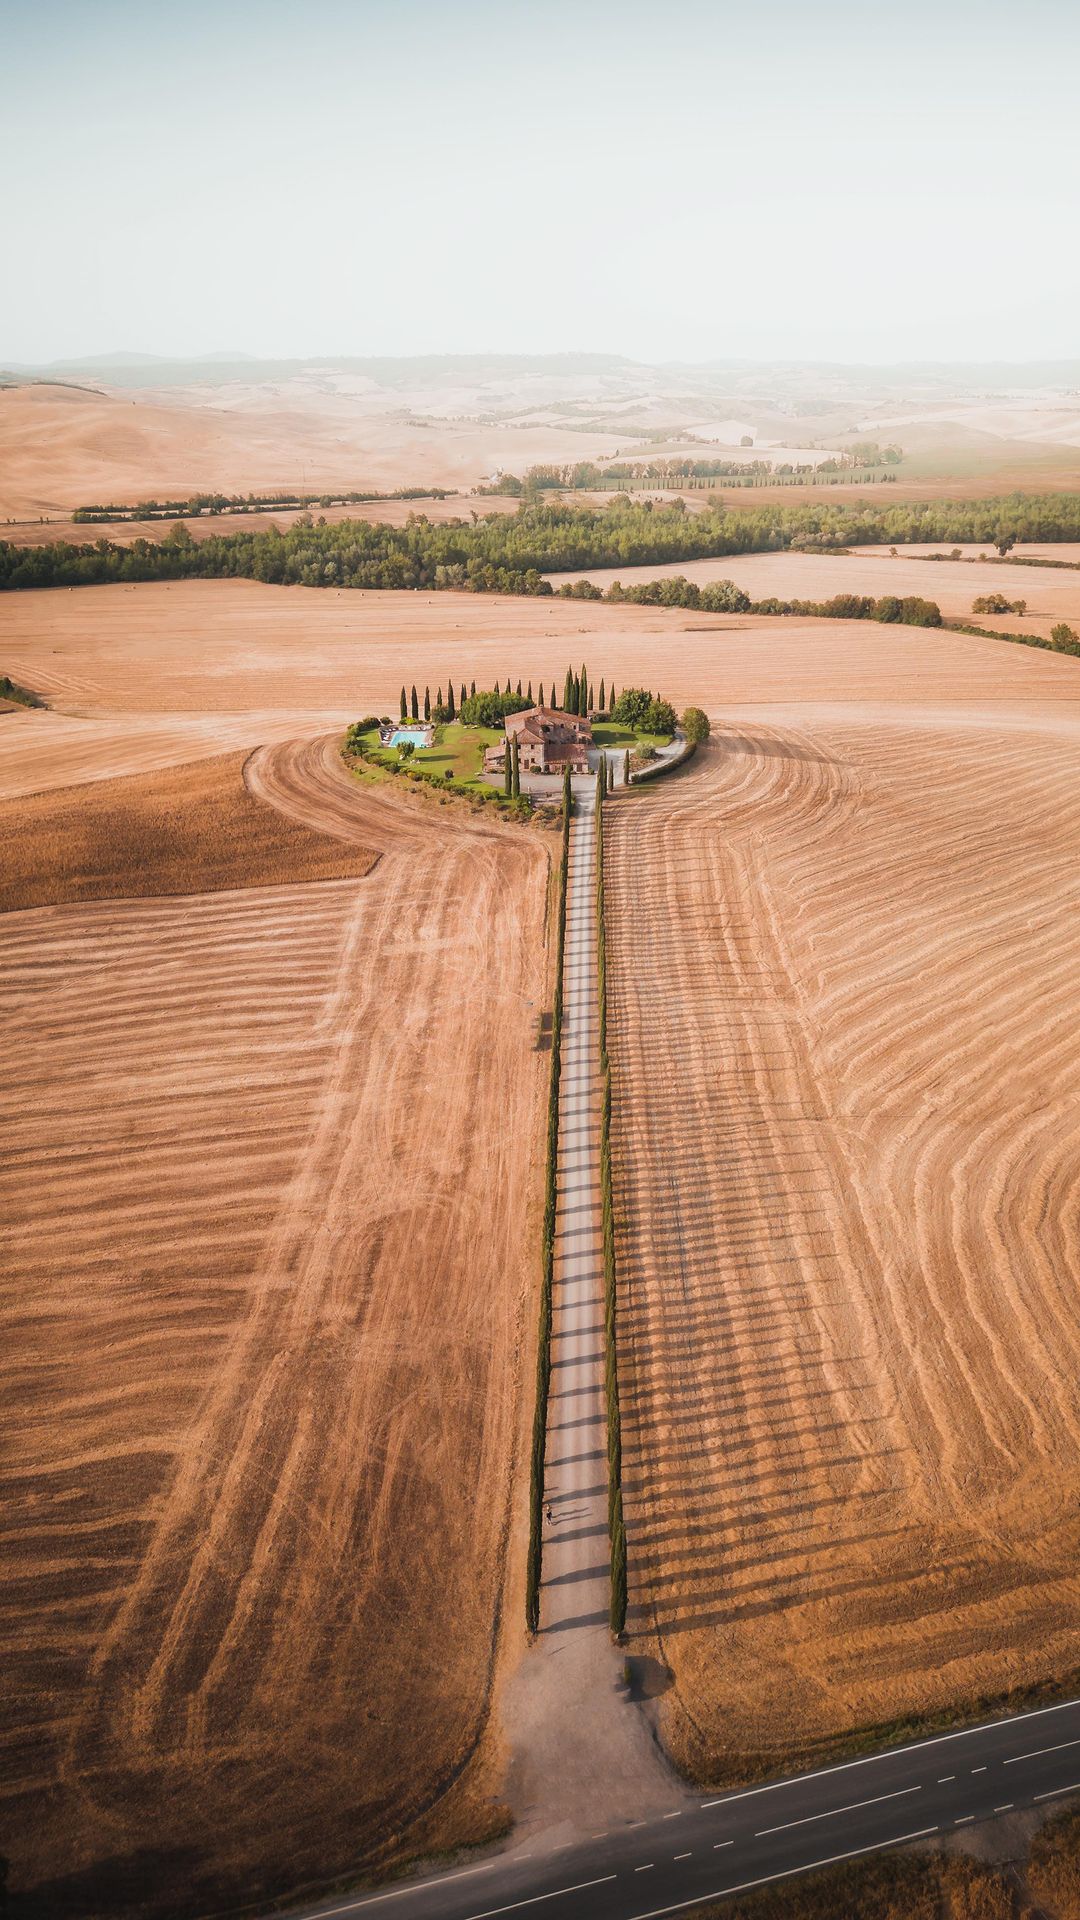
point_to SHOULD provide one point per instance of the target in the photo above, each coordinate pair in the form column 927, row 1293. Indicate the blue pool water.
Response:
column 415, row 734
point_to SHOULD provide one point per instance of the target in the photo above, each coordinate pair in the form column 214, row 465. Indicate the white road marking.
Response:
column 830, row 1812
column 720, row 1893
column 647, row 1868
column 419, row 1886
column 1007, row 1808
column 890, row 1753
column 1037, row 1752
column 677, row 1815
column 683, row 1856
column 723, row 1843
column 557, row 1893
column 978, row 1769
column 945, row 1778
column 963, row 1820
column 1075, row 1788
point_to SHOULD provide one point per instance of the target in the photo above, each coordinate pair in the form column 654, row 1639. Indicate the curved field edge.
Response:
column 191, row 829
column 271, row 1365
column 845, row 1165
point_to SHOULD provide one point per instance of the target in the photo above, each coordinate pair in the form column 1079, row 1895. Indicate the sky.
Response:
column 778, row 179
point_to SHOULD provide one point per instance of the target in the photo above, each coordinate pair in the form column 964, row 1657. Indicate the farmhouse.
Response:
column 548, row 740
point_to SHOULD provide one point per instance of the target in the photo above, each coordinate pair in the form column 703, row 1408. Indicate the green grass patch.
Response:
column 458, row 751
column 611, row 737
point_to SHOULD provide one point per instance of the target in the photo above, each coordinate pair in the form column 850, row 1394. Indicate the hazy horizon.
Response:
column 402, row 180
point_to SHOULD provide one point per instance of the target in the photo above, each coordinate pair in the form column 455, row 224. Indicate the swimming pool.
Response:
column 420, row 736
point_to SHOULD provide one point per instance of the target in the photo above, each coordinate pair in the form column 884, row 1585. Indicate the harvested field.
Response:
column 191, row 829
column 271, row 1218
column 1051, row 593
column 121, row 533
column 258, row 660
column 844, row 949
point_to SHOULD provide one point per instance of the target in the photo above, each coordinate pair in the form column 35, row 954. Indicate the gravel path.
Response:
column 584, row 1756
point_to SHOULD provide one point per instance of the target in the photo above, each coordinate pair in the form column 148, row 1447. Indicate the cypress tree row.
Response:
column 547, row 1268
column 414, row 705
column 616, row 1525
column 404, row 704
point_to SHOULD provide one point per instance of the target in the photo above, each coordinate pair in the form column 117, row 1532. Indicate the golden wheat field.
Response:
column 270, row 1215
column 844, row 948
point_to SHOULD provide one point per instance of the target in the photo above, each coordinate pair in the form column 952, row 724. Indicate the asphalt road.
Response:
column 733, row 1842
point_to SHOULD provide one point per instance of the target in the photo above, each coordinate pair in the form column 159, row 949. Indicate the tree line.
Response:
column 509, row 553
column 547, row 1245
column 196, row 504
column 723, row 596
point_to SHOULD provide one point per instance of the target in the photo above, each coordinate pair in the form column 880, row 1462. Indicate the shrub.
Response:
column 1065, row 639
column 723, row 596
column 695, row 725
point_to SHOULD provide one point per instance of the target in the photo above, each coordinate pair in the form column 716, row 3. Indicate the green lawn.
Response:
column 610, row 735
column 458, row 750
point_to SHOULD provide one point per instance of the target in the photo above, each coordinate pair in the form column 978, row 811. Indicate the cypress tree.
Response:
column 528, row 693
column 404, row 704
column 519, row 686
column 610, row 775
column 438, row 698
column 611, row 698
column 414, row 705
column 464, row 695
column 568, row 699
column 508, row 683
column 601, row 703
column 427, row 703
column 583, row 695
column 472, row 686
column 575, row 694
column 515, row 780
column 540, row 696
column 626, row 768
column 508, row 770
column 567, row 793
column 450, row 707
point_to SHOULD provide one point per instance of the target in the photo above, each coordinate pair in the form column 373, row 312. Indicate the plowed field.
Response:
column 270, row 1217
column 845, row 949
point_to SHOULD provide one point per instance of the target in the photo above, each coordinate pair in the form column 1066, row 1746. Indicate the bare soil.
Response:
column 844, row 947
column 271, row 1217
column 190, row 829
